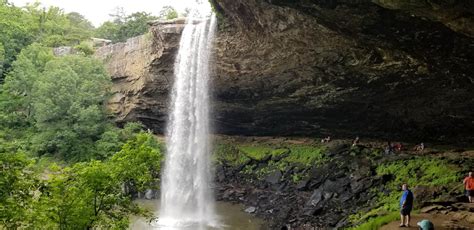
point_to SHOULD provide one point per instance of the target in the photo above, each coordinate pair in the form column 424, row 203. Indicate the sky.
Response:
column 97, row 11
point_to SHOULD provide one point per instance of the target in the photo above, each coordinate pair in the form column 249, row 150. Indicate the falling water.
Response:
column 187, row 198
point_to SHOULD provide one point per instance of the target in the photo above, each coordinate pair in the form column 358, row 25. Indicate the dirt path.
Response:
column 440, row 222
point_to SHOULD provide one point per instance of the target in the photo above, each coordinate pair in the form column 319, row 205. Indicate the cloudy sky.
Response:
column 97, row 11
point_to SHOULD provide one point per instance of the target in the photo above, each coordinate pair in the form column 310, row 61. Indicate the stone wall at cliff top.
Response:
column 308, row 68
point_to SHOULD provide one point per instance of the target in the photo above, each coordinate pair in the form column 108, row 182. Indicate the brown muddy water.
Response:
column 231, row 217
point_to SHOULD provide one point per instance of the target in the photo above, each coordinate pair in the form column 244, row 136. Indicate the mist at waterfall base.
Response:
column 187, row 200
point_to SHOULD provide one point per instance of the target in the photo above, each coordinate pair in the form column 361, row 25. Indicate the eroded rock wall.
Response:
column 142, row 74
column 342, row 68
column 302, row 67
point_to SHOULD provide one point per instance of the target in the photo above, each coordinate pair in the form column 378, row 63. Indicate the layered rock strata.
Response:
column 340, row 68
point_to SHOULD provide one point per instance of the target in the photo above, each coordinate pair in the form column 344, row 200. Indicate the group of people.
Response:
column 393, row 147
column 406, row 203
column 326, row 139
column 389, row 148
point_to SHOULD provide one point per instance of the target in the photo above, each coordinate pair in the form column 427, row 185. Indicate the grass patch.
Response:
column 426, row 171
column 302, row 154
column 305, row 154
column 229, row 154
column 257, row 152
column 280, row 157
column 377, row 222
column 421, row 171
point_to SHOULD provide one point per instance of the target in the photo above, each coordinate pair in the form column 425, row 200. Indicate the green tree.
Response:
column 50, row 26
column 168, row 12
column 108, row 30
column 122, row 28
column 26, row 72
column 112, row 140
column 86, row 195
column 118, row 15
column 68, row 107
column 2, row 58
column 16, row 32
column 79, row 21
column 89, row 195
column 136, row 24
column 55, row 28
column 139, row 162
column 79, row 196
column 17, row 186
column 85, row 48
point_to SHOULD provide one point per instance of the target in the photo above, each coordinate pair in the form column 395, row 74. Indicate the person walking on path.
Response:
column 469, row 186
column 406, row 205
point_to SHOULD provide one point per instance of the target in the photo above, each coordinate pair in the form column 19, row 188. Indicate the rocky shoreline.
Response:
column 334, row 192
column 326, row 196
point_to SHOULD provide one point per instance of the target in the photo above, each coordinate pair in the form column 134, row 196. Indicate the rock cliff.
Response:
column 384, row 69
column 142, row 73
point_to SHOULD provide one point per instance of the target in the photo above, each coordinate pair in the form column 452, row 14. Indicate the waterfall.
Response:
column 187, row 200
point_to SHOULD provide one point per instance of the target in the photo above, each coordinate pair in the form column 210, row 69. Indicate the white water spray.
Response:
column 187, row 200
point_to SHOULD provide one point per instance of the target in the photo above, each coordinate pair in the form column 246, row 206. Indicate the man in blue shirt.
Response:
column 406, row 204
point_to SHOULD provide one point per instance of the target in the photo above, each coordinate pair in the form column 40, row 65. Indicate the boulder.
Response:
column 250, row 209
column 302, row 185
column 64, row 50
column 425, row 194
column 318, row 175
column 273, row 177
column 361, row 185
column 315, row 198
column 453, row 225
column 432, row 208
column 150, row 194
column 336, row 148
column 336, row 186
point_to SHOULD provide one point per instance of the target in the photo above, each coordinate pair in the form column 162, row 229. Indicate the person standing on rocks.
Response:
column 469, row 186
column 406, row 204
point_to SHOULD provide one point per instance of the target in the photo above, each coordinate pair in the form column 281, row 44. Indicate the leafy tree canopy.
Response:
column 123, row 27
column 86, row 195
column 67, row 106
column 34, row 23
column 168, row 12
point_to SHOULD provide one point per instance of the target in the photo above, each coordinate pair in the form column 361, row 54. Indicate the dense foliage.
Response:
column 63, row 163
column 50, row 26
column 123, row 27
column 54, row 107
column 80, row 196
column 59, row 100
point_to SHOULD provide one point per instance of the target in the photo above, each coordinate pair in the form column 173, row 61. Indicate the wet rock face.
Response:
column 314, row 67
